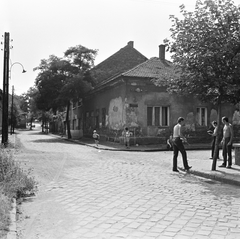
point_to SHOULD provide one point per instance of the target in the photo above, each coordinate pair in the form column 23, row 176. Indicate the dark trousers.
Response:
column 178, row 146
column 213, row 146
column 227, row 152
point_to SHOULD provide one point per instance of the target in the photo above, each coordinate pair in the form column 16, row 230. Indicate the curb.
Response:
column 131, row 149
column 12, row 231
column 213, row 177
column 114, row 149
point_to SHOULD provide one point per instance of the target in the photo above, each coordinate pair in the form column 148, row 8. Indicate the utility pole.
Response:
column 5, row 89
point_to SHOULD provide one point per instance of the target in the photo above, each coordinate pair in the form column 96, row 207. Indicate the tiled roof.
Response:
column 123, row 60
column 153, row 68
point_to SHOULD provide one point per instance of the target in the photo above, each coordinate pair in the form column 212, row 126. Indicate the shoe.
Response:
column 175, row 170
column 229, row 166
column 211, row 158
column 222, row 166
column 189, row 167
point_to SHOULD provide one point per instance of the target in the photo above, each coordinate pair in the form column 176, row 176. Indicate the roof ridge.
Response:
column 117, row 53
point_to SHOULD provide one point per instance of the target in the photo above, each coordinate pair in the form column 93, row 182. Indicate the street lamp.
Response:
column 23, row 71
column 5, row 93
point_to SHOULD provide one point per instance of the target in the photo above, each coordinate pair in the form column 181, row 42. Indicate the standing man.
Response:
column 214, row 135
column 178, row 139
column 227, row 143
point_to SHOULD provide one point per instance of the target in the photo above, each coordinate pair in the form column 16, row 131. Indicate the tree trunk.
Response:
column 67, row 121
column 42, row 122
column 216, row 148
column 31, row 123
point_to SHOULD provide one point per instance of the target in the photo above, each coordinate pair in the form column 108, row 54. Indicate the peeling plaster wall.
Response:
column 213, row 115
column 236, row 118
column 126, row 105
column 144, row 95
column 190, row 122
column 115, row 113
column 113, row 100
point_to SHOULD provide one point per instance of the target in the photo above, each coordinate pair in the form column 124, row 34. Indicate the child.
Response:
column 126, row 134
column 96, row 137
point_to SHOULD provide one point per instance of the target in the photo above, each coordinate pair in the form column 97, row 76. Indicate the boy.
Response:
column 126, row 134
column 96, row 137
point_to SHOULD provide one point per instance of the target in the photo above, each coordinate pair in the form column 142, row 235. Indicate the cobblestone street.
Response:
column 89, row 193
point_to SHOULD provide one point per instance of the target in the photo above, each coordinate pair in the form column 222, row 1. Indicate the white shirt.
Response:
column 177, row 131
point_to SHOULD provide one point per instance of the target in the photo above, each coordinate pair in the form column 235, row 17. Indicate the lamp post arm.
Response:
column 23, row 70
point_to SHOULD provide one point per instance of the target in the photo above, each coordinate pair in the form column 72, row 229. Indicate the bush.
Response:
column 14, row 182
column 5, row 207
column 13, row 179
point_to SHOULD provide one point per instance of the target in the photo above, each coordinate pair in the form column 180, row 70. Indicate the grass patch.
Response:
column 5, row 207
column 14, row 182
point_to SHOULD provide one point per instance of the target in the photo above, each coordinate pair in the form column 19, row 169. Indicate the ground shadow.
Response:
column 236, row 169
column 51, row 140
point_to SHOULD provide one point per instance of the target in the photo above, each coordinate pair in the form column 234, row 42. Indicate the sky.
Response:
column 40, row 28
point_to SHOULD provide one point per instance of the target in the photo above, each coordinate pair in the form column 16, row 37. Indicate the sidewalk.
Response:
column 108, row 145
column 200, row 167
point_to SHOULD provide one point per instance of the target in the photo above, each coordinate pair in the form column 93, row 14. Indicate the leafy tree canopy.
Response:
column 63, row 79
column 205, row 47
column 81, row 57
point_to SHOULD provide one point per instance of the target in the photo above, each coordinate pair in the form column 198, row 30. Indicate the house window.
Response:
column 97, row 119
column 92, row 118
column 103, row 117
column 73, row 124
column 79, row 123
column 149, row 116
column 202, row 116
column 158, row 116
column 165, row 116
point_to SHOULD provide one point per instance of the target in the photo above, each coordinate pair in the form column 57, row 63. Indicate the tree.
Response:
column 205, row 47
column 62, row 80
column 79, row 79
column 49, row 82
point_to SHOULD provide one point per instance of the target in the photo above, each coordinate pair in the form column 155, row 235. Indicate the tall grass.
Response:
column 14, row 182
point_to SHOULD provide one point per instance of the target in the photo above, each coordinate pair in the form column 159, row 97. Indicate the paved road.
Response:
column 90, row 193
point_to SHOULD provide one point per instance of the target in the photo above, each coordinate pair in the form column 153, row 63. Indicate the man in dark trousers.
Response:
column 213, row 133
column 227, row 143
column 178, row 140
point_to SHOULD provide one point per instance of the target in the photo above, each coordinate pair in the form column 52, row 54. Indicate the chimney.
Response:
column 130, row 43
column 162, row 52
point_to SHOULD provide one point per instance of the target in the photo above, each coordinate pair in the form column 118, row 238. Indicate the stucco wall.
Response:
column 126, row 105
column 144, row 94
column 113, row 100
column 116, row 116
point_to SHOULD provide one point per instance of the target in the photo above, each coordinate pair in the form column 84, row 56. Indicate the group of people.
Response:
column 178, row 140
column 226, row 142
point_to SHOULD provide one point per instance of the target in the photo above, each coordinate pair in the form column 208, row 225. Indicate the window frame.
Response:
column 199, row 116
column 152, row 117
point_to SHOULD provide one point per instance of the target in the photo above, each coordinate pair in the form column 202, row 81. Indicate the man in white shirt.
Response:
column 178, row 139
column 227, row 143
